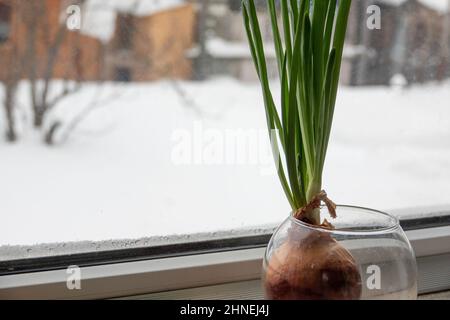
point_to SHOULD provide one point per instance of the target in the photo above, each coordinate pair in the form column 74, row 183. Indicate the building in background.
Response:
column 32, row 33
column 143, row 40
column 222, row 47
column 413, row 42
column 123, row 40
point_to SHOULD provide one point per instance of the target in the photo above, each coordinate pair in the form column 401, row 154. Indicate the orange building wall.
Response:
column 79, row 56
column 171, row 34
column 158, row 48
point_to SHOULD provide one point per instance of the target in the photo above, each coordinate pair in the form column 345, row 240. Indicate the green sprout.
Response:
column 309, row 55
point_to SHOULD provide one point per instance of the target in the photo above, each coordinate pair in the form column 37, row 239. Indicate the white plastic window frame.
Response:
column 168, row 274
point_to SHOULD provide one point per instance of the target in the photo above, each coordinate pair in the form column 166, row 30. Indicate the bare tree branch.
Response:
column 94, row 105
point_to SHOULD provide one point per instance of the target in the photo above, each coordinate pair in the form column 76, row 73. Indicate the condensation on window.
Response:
column 144, row 119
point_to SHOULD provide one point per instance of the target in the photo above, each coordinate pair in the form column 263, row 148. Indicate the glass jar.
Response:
column 365, row 256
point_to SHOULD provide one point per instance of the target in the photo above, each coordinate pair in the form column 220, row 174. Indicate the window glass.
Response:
column 141, row 122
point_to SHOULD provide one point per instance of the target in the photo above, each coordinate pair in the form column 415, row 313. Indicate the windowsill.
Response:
column 238, row 291
column 445, row 295
column 52, row 256
column 202, row 270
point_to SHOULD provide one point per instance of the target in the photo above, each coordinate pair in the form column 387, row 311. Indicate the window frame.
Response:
column 98, row 258
column 205, row 263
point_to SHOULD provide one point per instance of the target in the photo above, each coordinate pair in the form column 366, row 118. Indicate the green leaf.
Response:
column 285, row 97
column 338, row 42
column 276, row 35
column 273, row 121
column 317, row 31
column 326, row 112
column 294, row 14
column 317, row 28
column 287, row 33
column 329, row 29
column 305, row 107
column 293, row 119
column 309, row 78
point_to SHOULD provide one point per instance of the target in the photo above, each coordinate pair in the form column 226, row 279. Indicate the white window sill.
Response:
column 432, row 248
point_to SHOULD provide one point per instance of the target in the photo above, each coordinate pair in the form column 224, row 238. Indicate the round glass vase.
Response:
column 365, row 256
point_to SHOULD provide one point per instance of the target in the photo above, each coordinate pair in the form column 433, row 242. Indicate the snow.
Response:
column 120, row 175
column 441, row 6
column 394, row 2
column 99, row 15
column 220, row 48
column 398, row 80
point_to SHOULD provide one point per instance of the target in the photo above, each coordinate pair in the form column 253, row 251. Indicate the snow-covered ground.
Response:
column 124, row 172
